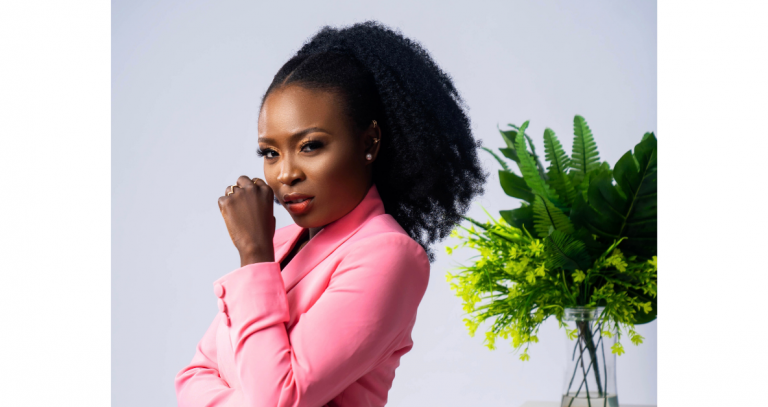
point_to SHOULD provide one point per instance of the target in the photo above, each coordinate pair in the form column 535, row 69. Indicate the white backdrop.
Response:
column 186, row 82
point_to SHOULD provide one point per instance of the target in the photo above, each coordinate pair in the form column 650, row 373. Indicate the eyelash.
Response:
column 264, row 152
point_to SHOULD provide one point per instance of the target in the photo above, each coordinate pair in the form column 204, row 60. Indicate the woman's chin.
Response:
column 305, row 221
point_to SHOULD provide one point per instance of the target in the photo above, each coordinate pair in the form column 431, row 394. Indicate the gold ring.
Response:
column 232, row 189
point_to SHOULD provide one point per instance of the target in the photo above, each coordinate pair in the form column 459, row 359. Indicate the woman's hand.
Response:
column 250, row 220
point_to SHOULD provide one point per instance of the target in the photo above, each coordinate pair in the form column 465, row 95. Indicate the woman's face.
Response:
column 309, row 148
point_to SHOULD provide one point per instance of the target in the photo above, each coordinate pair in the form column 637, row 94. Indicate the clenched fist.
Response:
column 250, row 220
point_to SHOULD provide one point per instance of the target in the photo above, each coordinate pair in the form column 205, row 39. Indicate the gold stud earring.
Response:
column 374, row 124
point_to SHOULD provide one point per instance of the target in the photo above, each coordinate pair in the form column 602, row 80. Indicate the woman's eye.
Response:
column 268, row 153
column 312, row 145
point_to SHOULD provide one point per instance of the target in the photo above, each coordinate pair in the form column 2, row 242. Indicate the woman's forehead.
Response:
column 293, row 109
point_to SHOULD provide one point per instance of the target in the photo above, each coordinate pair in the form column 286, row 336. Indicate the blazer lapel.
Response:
column 327, row 240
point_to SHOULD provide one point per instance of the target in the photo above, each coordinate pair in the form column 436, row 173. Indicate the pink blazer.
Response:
column 329, row 330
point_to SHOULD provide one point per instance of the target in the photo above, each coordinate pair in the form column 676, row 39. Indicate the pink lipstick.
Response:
column 298, row 204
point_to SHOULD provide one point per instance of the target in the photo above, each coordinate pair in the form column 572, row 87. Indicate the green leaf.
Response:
column 509, row 137
column 604, row 197
column 514, row 186
column 520, row 218
column 583, row 215
column 628, row 209
column 563, row 251
column 503, row 164
column 642, row 317
column 475, row 222
column 510, row 153
column 648, row 135
column 528, row 167
column 554, row 153
column 585, row 156
column 536, row 159
column 641, row 190
column 584, row 235
column 558, row 167
column 546, row 215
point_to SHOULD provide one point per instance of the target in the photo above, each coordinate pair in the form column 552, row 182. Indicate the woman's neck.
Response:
column 314, row 231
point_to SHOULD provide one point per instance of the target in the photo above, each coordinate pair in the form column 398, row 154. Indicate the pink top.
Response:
column 329, row 330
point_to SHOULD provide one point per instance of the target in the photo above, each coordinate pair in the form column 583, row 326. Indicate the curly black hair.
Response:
column 427, row 171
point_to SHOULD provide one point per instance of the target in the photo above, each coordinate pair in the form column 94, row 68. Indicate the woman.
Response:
column 365, row 143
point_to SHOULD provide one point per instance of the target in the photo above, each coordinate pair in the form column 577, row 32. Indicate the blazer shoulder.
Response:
column 384, row 234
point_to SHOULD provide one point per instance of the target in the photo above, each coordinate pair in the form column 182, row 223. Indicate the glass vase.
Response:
column 590, row 373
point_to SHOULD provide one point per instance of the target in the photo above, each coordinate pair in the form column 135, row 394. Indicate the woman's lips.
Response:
column 301, row 207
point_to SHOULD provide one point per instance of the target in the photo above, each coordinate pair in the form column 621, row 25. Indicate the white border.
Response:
column 55, row 206
column 712, row 141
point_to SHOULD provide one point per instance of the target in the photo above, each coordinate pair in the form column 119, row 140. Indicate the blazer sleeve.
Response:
column 357, row 322
column 199, row 383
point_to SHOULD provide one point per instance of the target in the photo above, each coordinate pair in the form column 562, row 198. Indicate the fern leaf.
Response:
column 533, row 150
column 565, row 252
column 585, row 156
column 558, row 166
column 554, row 153
column 536, row 159
column 529, row 169
column 503, row 164
column 546, row 216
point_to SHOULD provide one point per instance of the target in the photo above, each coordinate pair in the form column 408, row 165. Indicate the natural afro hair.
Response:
column 427, row 171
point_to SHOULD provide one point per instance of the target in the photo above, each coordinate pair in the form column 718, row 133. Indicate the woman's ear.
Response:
column 372, row 141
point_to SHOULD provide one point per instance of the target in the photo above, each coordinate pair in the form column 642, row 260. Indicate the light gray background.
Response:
column 186, row 81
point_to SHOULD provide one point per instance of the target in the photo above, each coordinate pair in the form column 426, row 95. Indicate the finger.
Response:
column 262, row 186
column 244, row 182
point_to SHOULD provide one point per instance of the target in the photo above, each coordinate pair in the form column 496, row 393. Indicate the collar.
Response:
column 326, row 240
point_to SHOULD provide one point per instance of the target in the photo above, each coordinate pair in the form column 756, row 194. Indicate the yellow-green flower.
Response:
column 524, row 356
column 578, row 276
column 536, row 247
column 530, row 277
column 471, row 326
column 617, row 348
column 491, row 338
column 572, row 333
column 652, row 262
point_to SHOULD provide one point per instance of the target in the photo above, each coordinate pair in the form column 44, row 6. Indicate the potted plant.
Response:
column 581, row 247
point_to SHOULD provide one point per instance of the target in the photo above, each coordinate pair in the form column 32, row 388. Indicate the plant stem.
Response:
column 586, row 373
column 585, row 331
column 605, row 369
column 576, row 365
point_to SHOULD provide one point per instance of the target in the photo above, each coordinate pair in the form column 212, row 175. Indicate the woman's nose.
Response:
column 290, row 173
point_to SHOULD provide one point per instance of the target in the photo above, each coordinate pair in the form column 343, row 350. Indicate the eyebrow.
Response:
column 295, row 135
